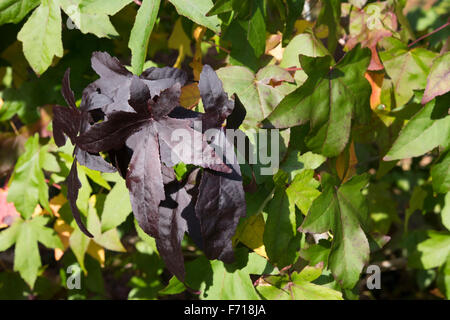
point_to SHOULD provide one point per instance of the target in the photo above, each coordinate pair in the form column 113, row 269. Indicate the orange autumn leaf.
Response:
column 274, row 46
column 56, row 203
column 196, row 63
column 376, row 81
column 64, row 231
column 96, row 252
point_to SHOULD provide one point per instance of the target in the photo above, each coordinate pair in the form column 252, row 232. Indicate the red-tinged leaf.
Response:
column 144, row 178
column 369, row 26
column 8, row 212
column 73, row 186
column 439, row 78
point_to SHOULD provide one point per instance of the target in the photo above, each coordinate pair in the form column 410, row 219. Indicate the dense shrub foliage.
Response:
column 345, row 103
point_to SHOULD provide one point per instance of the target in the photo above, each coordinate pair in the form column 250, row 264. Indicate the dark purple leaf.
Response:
column 121, row 159
column 93, row 161
column 139, row 97
column 193, row 224
column 237, row 116
column 112, row 133
column 138, row 121
column 93, row 100
column 65, row 121
column 167, row 101
column 73, row 186
column 114, row 83
column 165, row 73
column 107, row 66
column 67, row 91
column 172, row 226
column 189, row 147
column 215, row 101
column 220, row 205
column 144, row 178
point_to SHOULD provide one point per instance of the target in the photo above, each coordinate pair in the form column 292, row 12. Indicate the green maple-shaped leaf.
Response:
column 303, row 190
column 234, row 282
column 438, row 79
column 41, row 36
column 26, row 234
column 92, row 16
column 117, row 206
column 257, row 28
column 109, row 239
column 297, row 286
column 408, row 70
column 256, row 92
column 28, row 176
column 432, row 252
column 196, row 11
column 443, row 279
column 429, row 128
column 13, row 11
column 330, row 15
column 445, row 212
column 440, row 174
column 78, row 241
column 306, row 44
column 281, row 239
column 344, row 211
column 41, row 33
column 328, row 99
column 219, row 281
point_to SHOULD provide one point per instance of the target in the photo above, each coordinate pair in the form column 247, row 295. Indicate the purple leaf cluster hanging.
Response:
column 131, row 120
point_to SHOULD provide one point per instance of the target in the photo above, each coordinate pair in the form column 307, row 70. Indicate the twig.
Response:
column 221, row 48
column 292, row 69
column 14, row 128
column 429, row 34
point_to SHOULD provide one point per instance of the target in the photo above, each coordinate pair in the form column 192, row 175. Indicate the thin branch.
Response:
column 217, row 46
column 292, row 69
column 429, row 34
column 13, row 126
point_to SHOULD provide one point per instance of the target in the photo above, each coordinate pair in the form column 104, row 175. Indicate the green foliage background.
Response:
column 364, row 176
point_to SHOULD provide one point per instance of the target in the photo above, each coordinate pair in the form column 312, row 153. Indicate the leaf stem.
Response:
column 292, row 69
column 13, row 126
column 217, row 46
column 429, row 34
